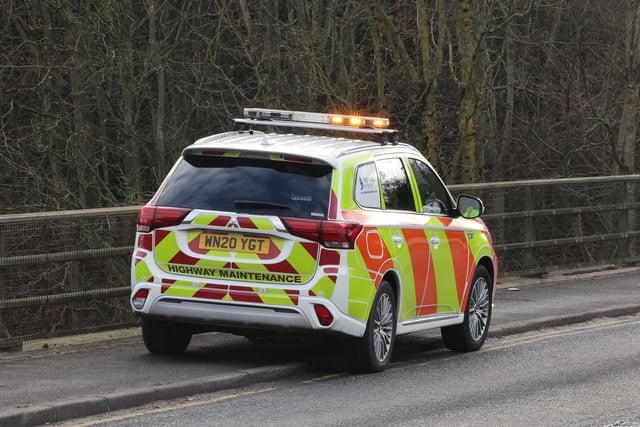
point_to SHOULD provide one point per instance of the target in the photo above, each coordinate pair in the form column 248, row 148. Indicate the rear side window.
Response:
column 367, row 190
column 258, row 186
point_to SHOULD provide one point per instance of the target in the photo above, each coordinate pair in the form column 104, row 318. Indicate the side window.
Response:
column 433, row 195
column 367, row 190
column 395, row 185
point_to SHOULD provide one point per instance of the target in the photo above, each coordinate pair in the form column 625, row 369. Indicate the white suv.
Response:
column 256, row 233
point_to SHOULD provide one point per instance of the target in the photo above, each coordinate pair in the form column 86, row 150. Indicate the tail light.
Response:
column 152, row 217
column 332, row 234
column 324, row 315
column 139, row 298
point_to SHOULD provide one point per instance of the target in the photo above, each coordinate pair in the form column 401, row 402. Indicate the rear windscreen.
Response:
column 254, row 186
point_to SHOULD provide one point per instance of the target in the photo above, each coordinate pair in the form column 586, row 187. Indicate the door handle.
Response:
column 397, row 239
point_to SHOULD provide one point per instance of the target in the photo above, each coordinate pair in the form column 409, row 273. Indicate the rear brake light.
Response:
column 152, row 217
column 139, row 298
column 332, row 234
column 297, row 159
column 324, row 315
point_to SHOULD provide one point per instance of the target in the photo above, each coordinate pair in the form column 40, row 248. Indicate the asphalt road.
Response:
column 554, row 377
column 66, row 382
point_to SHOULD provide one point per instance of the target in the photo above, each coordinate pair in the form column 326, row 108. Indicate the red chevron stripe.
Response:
column 195, row 247
column 329, row 257
column 221, row 221
column 293, row 295
column 244, row 294
column 281, row 267
column 311, row 248
column 211, row 291
column 274, row 251
column 182, row 258
column 246, row 223
column 160, row 235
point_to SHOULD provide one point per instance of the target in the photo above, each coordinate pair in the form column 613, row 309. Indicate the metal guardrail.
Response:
column 63, row 273
column 543, row 225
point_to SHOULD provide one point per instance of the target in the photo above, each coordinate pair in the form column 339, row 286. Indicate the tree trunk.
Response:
column 626, row 142
column 158, row 114
column 431, row 75
column 507, row 130
column 468, row 105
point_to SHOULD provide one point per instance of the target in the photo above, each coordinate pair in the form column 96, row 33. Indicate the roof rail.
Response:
column 377, row 126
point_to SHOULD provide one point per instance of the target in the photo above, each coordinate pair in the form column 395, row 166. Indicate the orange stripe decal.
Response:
column 430, row 298
column 461, row 261
column 419, row 251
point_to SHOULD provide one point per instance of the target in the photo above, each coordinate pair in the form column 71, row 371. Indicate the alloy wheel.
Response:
column 479, row 308
column 383, row 327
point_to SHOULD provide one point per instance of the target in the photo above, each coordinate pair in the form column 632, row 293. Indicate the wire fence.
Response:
column 66, row 273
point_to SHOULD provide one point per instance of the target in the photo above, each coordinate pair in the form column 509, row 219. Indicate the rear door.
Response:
column 236, row 225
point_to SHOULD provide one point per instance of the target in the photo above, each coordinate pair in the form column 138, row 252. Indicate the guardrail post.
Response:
column 623, row 219
column 632, row 188
column 7, row 342
column 529, row 230
column 628, row 218
column 498, row 207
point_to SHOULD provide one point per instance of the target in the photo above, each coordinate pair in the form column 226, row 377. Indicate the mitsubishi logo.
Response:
column 233, row 223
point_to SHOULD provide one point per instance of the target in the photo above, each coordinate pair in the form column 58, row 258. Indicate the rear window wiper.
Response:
column 256, row 204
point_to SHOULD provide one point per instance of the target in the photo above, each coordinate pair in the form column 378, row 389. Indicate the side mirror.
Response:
column 470, row 207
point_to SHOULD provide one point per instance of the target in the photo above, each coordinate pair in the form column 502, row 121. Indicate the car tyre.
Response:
column 373, row 351
column 165, row 337
column 472, row 332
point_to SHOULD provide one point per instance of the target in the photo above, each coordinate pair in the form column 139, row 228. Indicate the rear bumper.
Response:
column 240, row 316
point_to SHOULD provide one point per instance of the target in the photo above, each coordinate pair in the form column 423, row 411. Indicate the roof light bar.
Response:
column 343, row 120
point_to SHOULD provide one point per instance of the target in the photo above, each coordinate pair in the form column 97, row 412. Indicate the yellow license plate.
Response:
column 234, row 243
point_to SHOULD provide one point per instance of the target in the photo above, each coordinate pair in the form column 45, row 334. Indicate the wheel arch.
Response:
column 488, row 264
column 393, row 279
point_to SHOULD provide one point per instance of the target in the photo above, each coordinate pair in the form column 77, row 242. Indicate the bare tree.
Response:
column 98, row 98
column 627, row 135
